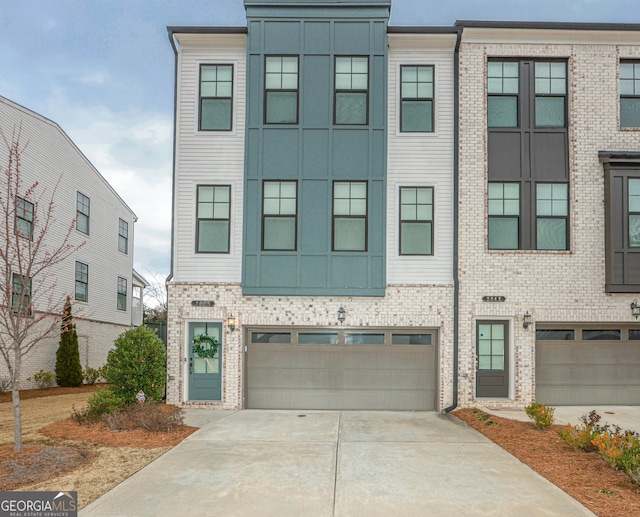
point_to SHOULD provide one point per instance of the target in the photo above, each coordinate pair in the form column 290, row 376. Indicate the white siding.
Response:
column 50, row 156
column 207, row 157
column 424, row 159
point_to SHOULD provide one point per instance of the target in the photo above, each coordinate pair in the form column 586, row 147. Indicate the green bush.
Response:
column 137, row 363
column 541, row 414
column 102, row 402
column 68, row 367
column 43, row 379
column 93, row 375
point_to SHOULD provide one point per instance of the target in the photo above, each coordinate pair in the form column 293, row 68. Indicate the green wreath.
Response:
column 200, row 350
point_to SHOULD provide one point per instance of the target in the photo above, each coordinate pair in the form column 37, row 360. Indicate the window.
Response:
column 411, row 339
column 281, row 90
column 279, row 216
column 122, row 294
column 24, row 218
column 551, row 93
column 416, row 221
column 82, row 213
column 82, row 282
column 21, row 294
column 555, row 334
column 634, row 212
column 504, row 216
column 416, row 105
column 601, row 335
column 123, row 236
column 552, row 210
column 629, row 94
column 503, row 88
column 213, row 218
column 216, row 97
column 351, row 96
column 349, row 216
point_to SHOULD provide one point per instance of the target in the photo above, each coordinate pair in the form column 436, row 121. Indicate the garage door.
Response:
column 308, row 368
column 587, row 365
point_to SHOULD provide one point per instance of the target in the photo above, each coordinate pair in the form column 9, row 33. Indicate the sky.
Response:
column 104, row 69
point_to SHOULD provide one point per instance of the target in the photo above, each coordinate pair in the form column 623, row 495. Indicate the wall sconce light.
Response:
column 527, row 320
column 341, row 313
column 231, row 323
column 635, row 309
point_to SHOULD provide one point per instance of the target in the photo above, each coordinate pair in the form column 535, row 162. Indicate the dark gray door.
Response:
column 492, row 359
column 205, row 373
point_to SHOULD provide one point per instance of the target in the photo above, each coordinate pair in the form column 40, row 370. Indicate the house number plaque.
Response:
column 493, row 298
column 203, row 303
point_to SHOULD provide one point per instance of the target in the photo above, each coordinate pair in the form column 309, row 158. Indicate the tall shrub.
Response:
column 137, row 363
column 68, row 367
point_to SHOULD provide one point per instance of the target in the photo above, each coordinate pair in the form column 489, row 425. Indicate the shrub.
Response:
column 68, row 367
column 102, row 402
column 541, row 414
column 137, row 363
column 580, row 437
column 93, row 375
column 150, row 416
column 43, row 379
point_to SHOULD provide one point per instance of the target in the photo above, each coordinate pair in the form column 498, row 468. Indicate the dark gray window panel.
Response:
column 601, row 335
column 411, row 339
column 216, row 97
column 555, row 334
column 271, row 337
column 629, row 94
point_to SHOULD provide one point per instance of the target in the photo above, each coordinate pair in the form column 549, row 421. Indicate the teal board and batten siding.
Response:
column 315, row 152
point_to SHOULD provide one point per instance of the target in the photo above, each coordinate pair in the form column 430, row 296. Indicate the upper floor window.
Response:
column 213, row 219
column 504, row 216
column 216, row 97
column 503, row 90
column 21, row 294
column 281, row 90
column 122, row 294
column 82, row 213
column 416, row 221
column 123, row 236
column 82, row 282
column 552, row 212
column 24, row 218
column 279, row 216
column 349, row 216
column 634, row 212
column 629, row 94
column 551, row 94
column 351, row 94
column 416, row 105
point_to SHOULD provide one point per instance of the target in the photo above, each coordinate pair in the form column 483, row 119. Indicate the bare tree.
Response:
column 31, row 301
column 155, row 295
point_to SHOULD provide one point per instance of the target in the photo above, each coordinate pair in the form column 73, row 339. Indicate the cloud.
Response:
column 94, row 78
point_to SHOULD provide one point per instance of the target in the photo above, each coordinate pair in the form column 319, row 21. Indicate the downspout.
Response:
column 173, row 172
column 456, row 174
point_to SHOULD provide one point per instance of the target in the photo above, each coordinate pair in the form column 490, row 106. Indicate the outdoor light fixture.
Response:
column 635, row 309
column 341, row 314
column 231, row 322
column 527, row 320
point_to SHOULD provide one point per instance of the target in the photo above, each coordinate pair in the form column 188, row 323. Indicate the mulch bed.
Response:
column 586, row 477
column 50, row 392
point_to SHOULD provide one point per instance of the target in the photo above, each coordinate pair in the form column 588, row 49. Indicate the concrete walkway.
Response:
column 316, row 464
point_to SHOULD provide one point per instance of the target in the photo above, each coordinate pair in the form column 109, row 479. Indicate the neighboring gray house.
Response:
column 99, row 277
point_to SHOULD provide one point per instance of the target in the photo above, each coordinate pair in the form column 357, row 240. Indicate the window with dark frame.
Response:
column 634, row 212
column 213, row 219
column 349, row 216
column 351, row 91
column 122, row 294
column 503, row 90
column 550, row 93
column 417, row 96
column 552, row 212
column 416, row 221
column 82, row 282
column 82, row 213
column 504, row 216
column 24, row 218
column 281, row 90
column 279, row 215
column 629, row 94
column 123, row 236
column 21, row 294
column 216, row 97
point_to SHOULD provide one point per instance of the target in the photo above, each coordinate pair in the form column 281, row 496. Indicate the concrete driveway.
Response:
column 332, row 463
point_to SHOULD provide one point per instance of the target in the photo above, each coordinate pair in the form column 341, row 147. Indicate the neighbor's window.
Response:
column 349, row 216
column 82, row 282
column 24, row 218
column 21, row 294
column 123, row 236
column 416, row 105
column 351, row 94
column 279, row 216
column 82, row 213
column 216, row 97
column 213, row 219
column 416, row 221
column 629, row 94
column 281, row 90
column 122, row 294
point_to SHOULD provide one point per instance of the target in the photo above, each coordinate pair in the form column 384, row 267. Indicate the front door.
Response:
column 492, row 359
column 205, row 372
